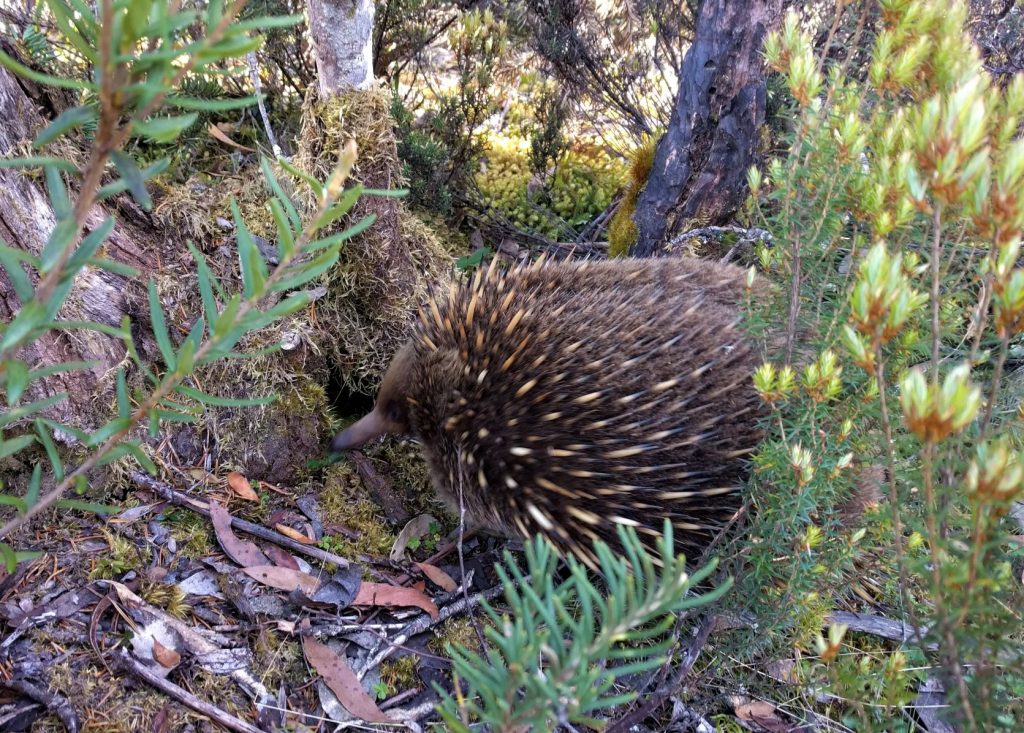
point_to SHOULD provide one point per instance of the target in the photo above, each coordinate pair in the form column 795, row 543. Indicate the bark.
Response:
column 342, row 33
column 26, row 220
column 699, row 171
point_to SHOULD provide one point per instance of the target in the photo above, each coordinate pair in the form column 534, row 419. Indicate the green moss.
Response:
column 399, row 674
column 192, row 532
column 168, row 597
column 581, row 185
column 457, row 632
column 346, row 501
column 279, row 656
column 123, row 556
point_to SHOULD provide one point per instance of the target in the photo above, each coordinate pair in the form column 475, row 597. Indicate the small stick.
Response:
column 886, row 628
column 380, row 487
column 183, row 500
column 423, row 622
column 125, row 663
column 660, row 695
column 55, row 703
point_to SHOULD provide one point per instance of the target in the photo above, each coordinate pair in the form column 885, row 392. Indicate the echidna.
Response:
column 567, row 398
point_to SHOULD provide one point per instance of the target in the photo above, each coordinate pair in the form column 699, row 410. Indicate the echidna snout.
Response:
column 390, row 413
column 567, row 399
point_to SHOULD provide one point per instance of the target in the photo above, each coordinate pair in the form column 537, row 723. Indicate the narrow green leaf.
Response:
column 292, row 304
column 214, row 13
column 19, row 280
column 60, row 239
column 256, row 320
column 51, row 449
column 40, row 78
column 387, row 193
column 286, row 241
column 124, row 407
column 60, row 292
column 314, row 184
column 345, row 203
column 267, row 22
column 136, row 17
column 15, row 501
column 38, row 161
column 320, row 265
column 57, row 192
column 89, row 244
column 139, row 455
column 17, row 379
column 156, row 315
column 175, row 416
column 357, row 228
column 113, row 266
column 7, row 555
column 281, row 196
column 205, row 289
column 90, row 326
column 10, row 446
column 34, row 485
column 121, row 185
column 68, row 24
column 253, row 267
column 31, row 317
column 164, row 129
column 195, row 334
column 112, row 427
column 229, row 47
column 226, row 320
column 208, row 399
column 13, row 558
column 128, row 169
column 66, row 121
column 211, row 105
column 79, row 434
column 86, row 506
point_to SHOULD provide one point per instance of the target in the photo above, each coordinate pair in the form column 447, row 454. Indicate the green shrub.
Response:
column 137, row 88
column 900, row 209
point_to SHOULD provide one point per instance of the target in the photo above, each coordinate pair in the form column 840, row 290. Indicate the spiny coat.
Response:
column 568, row 398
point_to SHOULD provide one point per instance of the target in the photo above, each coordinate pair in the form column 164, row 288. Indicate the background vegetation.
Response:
column 890, row 184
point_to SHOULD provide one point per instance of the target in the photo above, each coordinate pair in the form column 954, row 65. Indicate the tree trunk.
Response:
column 342, row 33
column 383, row 273
column 26, row 221
column 699, row 172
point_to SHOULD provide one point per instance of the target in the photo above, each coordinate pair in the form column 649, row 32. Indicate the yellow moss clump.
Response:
column 583, row 183
column 622, row 232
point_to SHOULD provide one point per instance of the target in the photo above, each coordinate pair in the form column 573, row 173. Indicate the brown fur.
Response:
column 568, row 398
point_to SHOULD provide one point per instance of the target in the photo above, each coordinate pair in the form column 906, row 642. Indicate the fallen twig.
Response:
column 662, row 693
column 125, row 663
column 886, row 628
column 52, row 701
column 380, row 488
column 183, row 500
column 424, row 622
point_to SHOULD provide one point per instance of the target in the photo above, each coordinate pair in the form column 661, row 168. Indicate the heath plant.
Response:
column 897, row 212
